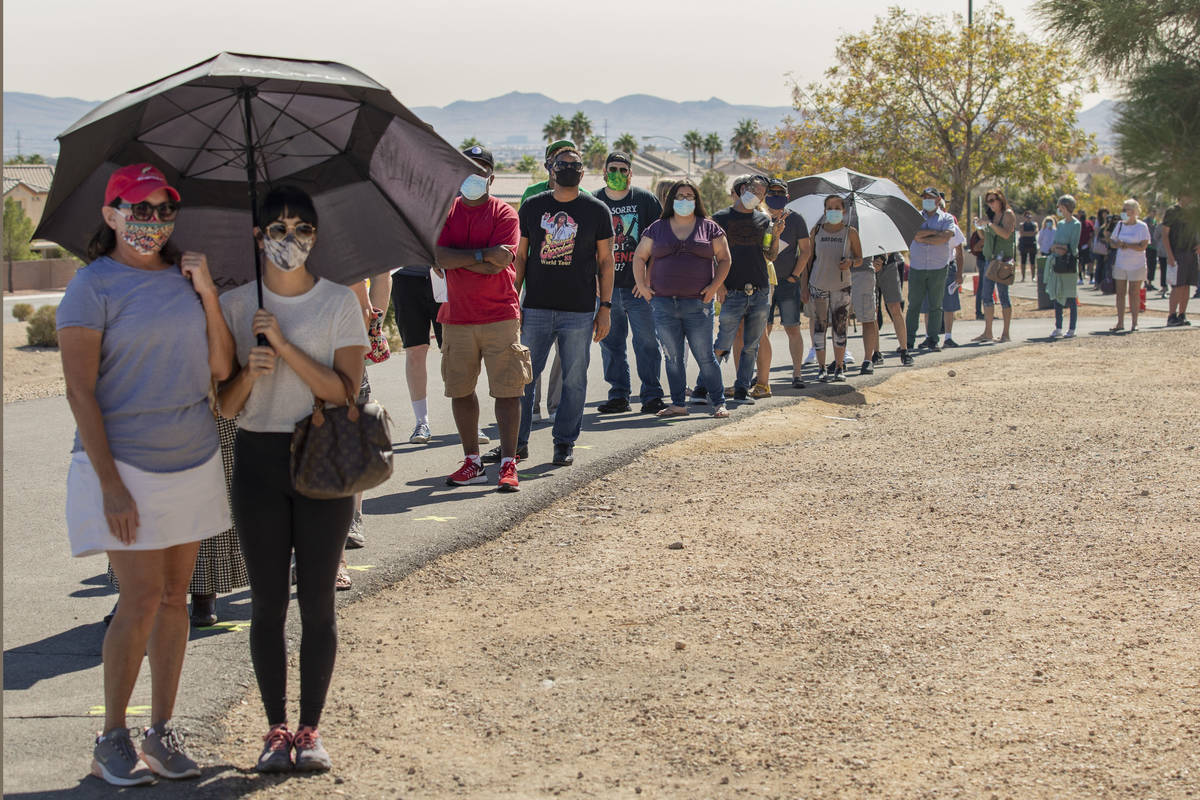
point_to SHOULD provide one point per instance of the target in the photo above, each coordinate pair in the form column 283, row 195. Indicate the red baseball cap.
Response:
column 135, row 183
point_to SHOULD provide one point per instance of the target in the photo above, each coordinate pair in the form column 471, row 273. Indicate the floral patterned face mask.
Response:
column 147, row 237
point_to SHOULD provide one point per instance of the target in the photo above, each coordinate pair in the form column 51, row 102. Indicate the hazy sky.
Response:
column 437, row 51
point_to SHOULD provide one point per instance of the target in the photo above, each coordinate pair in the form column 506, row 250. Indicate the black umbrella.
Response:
column 228, row 128
column 877, row 207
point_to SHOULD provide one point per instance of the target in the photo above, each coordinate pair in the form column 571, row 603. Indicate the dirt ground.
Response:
column 29, row 372
column 969, row 581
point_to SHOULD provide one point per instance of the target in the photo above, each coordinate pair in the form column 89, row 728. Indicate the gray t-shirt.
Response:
column 319, row 322
column 154, row 373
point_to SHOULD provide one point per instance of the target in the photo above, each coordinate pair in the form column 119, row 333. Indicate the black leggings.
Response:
column 272, row 520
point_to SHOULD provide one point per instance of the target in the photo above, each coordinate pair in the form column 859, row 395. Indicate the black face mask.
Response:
column 568, row 177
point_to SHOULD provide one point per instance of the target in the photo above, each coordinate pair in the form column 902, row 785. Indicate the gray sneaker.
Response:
column 310, row 753
column 116, row 761
column 276, row 755
column 162, row 750
column 420, row 434
column 356, row 539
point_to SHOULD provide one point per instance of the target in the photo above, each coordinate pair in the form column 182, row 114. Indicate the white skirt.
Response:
column 173, row 507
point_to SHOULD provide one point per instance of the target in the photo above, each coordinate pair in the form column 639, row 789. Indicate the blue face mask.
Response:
column 1124, row 217
column 474, row 187
column 929, row 204
column 833, row 216
column 684, row 208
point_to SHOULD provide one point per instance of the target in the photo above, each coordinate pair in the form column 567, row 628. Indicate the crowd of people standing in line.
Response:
column 153, row 356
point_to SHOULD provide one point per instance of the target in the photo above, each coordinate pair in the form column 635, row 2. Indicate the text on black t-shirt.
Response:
column 560, row 270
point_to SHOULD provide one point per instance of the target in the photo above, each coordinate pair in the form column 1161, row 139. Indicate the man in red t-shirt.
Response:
column 481, row 320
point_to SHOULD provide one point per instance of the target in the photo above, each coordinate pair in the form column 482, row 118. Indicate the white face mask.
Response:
column 287, row 254
column 833, row 216
column 474, row 187
column 749, row 199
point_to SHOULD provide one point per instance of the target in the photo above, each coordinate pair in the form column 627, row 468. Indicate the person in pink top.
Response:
column 481, row 321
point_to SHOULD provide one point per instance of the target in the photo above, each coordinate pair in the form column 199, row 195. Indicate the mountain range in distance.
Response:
column 509, row 124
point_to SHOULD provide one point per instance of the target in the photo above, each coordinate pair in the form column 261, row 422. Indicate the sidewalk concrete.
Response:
column 53, row 604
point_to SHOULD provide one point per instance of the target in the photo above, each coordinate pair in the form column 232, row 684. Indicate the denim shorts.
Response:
column 787, row 300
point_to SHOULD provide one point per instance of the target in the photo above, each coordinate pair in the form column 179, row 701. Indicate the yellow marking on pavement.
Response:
column 228, row 627
column 361, row 567
column 132, row 711
column 432, row 518
column 584, row 447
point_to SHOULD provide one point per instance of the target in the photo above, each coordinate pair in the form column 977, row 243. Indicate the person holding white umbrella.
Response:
column 836, row 250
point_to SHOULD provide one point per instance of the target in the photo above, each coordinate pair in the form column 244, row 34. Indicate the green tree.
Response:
column 626, row 142
column 531, row 166
column 923, row 99
column 581, row 127
column 1149, row 46
column 36, row 158
column 713, row 146
column 18, row 230
column 746, row 138
column 556, row 128
column 470, row 141
column 713, row 191
column 693, row 140
column 594, row 153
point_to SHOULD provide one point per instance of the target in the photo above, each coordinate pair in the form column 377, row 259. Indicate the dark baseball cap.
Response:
column 931, row 191
column 776, row 183
column 619, row 157
column 480, row 154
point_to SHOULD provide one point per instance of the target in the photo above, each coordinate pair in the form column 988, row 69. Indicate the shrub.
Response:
column 41, row 331
column 22, row 311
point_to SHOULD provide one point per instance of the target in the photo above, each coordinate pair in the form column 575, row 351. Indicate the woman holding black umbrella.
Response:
column 142, row 337
column 315, row 343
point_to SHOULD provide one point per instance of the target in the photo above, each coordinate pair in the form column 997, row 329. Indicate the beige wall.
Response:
column 32, row 203
column 42, row 274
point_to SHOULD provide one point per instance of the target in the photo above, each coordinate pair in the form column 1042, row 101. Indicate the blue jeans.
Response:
column 631, row 312
column 986, row 285
column 1072, row 304
column 752, row 308
column 572, row 331
column 686, row 320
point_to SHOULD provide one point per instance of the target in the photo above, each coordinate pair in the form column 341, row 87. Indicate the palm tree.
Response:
column 714, row 147
column 693, row 140
column 470, row 141
column 626, row 142
column 581, row 127
column 594, row 152
column 557, row 128
column 745, row 138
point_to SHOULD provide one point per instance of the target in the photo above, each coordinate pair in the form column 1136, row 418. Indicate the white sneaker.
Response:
column 848, row 358
column 420, row 434
column 1069, row 334
column 1056, row 333
column 484, row 438
column 811, row 358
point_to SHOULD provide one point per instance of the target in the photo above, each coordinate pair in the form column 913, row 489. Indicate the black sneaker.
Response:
column 797, row 382
column 699, row 396
column 877, row 358
column 742, row 396
column 1172, row 321
column 653, row 406
column 839, row 374
column 618, row 405
column 906, row 358
column 1182, row 320
column 823, row 375
column 932, row 346
column 493, row 456
column 949, row 343
column 564, row 455
column 867, row 368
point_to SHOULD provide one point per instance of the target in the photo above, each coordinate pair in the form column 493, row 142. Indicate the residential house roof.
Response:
column 36, row 176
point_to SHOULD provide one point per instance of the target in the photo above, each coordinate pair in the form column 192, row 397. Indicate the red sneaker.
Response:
column 468, row 473
column 508, row 477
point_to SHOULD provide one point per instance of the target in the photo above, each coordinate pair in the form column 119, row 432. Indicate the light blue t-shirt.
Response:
column 154, row 372
column 932, row 256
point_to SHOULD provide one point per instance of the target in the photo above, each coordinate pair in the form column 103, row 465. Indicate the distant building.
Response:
column 29, row 185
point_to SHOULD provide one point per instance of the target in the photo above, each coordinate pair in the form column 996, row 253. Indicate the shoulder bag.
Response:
column 342, row 450
column 1000, row 271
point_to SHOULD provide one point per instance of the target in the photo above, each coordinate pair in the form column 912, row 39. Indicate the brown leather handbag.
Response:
column 341, row 450
column 1001, row 271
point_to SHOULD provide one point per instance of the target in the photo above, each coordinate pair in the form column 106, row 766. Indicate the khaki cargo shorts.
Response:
column 498, row 346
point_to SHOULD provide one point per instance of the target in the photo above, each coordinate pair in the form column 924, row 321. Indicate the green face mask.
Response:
column 617, row 181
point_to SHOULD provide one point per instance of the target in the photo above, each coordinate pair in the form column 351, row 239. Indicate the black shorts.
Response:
column 416, row 310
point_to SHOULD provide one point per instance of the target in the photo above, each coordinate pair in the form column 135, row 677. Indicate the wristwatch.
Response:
column 605, row 304
column 479, row 256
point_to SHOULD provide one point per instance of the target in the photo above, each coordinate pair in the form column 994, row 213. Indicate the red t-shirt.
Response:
column 471, row 298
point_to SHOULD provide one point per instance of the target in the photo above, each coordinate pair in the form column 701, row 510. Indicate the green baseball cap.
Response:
column 554, row 147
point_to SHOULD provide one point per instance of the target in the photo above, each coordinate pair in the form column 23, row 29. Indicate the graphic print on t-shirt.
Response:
column 559, row 244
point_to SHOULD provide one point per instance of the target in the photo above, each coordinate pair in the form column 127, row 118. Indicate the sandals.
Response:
column 343, row 582
column 1116, row 329
column 982, row 338
column 672, row 411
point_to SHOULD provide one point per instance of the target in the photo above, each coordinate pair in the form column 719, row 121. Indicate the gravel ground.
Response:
column 30, row 373
column 968, row 582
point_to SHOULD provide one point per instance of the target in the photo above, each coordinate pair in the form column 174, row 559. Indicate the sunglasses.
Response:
column 146, row 212
column 278, row 231
column 622, row 170
column 569, row 166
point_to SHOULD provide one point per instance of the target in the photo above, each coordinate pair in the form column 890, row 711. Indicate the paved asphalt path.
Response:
column 53, row 604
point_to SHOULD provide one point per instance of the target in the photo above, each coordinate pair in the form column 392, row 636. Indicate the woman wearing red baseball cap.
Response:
column 142, row 337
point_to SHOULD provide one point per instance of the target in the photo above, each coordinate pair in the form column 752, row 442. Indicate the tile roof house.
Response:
column 29, row 185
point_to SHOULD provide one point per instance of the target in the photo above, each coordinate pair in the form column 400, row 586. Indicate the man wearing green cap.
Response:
column 552, row 150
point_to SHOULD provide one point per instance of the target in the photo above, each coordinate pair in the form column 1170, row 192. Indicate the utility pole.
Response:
column 970, row 23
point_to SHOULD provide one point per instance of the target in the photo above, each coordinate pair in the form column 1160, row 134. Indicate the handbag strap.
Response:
column 318, row 413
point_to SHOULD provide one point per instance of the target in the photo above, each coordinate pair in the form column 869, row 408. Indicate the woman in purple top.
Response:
column 680, row 284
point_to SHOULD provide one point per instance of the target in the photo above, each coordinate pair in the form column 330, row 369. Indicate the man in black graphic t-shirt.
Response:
column 565, row 250
column 632, row 211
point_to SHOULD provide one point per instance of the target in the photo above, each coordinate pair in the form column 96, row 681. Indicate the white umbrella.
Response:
column 886, row 221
